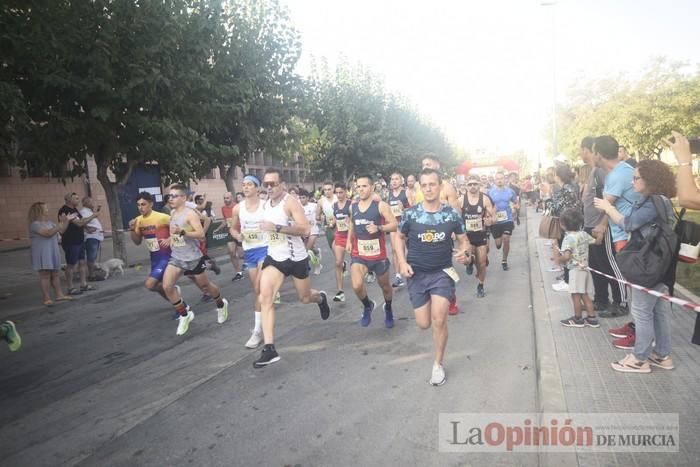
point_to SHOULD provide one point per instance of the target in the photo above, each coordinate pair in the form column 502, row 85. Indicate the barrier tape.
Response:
column 678, row 301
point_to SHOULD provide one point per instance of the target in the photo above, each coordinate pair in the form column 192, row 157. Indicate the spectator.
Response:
column 652, row 315
column 94, row 236
column 624, row 156
column 565, row 198
column 73, row 244
column 46, row 258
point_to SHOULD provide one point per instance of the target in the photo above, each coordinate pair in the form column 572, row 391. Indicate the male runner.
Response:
column 448, row 195
column 153, row 229
column 502, row 229
column 339, row 221
column 515, row 186
column 369, row 220
column 232, row 245
column 324, row 212
column 477, row 211
column 398, row 201
column 246, row 217
column 411, row 189
column 8, row 333
column 185, row 233
column 310, row 210
column 285, row 225
column 426, row 232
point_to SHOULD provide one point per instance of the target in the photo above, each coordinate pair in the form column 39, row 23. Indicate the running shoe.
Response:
column 438, row 377
column 560, row 286
column 398, row 282
column 504, row 265
column 255, row 340
column 206, row 298
column 278, row 299
column 323, row 306
column 211, row 264
column 370, row 277
column 339, row 297
column 222, row 313
column 268, row 356
column 573, row 322
column 470, row 267
column 388, row 318
column 624, row 343
column 480, row 291
column 237, row 277
column 622, row 331
column 313, row 259
column 662, row 362
column 454, row 309
column 367, row 315
column 87, row 288
column 183, row 322
column 630, row 364
column 317, row 269
column 14, row 340
column 591, row 322
column 345, row 268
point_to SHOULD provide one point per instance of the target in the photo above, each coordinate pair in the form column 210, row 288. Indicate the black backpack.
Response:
column 653, row 259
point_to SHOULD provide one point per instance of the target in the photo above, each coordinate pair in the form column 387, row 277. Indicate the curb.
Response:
column 550, row 390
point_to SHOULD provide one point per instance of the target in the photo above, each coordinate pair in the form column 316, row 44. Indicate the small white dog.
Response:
column 114, row 264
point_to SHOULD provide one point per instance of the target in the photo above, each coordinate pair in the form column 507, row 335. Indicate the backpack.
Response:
column 653, row 259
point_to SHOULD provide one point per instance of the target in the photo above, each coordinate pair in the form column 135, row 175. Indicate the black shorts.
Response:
column 504, row 228
column 478, row 238
column 297, row 269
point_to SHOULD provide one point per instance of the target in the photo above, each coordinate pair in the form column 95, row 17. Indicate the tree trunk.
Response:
column 227, row 174
column 115, row 213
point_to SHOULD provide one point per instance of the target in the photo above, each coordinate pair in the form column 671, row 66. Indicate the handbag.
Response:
column 689, row 236
column 550, row 227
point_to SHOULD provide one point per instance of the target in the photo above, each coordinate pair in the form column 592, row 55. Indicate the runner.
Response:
column 398, row 201
column 324, row 212
column 247, row 216
column 153, row 227
column 448, row 195
column 426, row 232
column 515, row 186
column 369, row 220
column 8, row 333
column 285, row 224
column 478, row 213
column 411, row 189
column 339, row 221
column 185, row 233
column 310, row 210
column 502, row 229
column 232, row 244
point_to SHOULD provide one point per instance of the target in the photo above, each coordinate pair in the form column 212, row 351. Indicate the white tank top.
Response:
column 282, row 247
column 310, row 213
column 253, row 237
column 327, row 206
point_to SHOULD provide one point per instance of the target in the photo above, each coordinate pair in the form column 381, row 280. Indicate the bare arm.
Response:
column 688, row 192
column 235, row 222
column 351, row 228
column 195, row 222
column 293, row 209
column 399, row 240
column 134, row 232
column 390, row 222
column 452, row 198
column 463, row 251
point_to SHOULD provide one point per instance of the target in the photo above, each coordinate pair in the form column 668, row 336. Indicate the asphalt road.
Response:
column 106, row 381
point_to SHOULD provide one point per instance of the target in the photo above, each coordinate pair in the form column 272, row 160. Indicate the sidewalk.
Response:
column 587, row 383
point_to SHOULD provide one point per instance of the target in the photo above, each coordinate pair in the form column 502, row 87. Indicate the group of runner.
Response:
column 424, row 220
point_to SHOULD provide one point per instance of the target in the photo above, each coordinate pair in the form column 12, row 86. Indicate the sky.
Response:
column 486, row 72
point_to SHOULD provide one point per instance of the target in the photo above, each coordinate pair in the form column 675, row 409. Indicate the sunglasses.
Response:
column 271, row 184
column 472, row 184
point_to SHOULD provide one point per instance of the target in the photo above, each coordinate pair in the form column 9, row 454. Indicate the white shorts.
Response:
column 580, row 281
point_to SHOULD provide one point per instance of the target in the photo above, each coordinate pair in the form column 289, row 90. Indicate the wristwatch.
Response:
column 278, row 228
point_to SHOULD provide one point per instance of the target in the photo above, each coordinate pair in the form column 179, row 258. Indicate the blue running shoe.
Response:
column 367, row 315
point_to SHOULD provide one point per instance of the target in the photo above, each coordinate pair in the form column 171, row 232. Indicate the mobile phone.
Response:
column 694, row 144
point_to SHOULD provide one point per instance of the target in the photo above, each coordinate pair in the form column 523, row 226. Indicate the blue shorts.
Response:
column 424, row 284
column 74, row 253
column 92, row 249
column 378, row 267
column 254, row 257
column 158, row 268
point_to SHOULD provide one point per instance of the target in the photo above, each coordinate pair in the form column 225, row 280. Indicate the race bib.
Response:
column 229, row 222
column 501, row 216
column 177, row 241
column 253, row 236
column 341, row 225
column 397, row 209
column 368, row 248
column 277, row 239
column 152, row 244
column 452, row 273
column 474, row 225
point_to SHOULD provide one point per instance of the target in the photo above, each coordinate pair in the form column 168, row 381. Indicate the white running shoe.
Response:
column 560, row 286
column 438, row 377
column 370, row 277
column 278, row 299
column 317, row 269
column 183, row 322
column 255, row 339
column 222, row 313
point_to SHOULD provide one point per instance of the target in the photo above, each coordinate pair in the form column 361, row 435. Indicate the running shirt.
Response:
column 341, row 218
column 398, row 203
column 327, row 206
column 280, row 246
column 515, row 188
column 502, row 197
column 310, row 213
column 182, row 247
column 253, row 237
column 429, row 236
column 227, row 213
column 473, row 215
column 154, row 227
column 367, row 246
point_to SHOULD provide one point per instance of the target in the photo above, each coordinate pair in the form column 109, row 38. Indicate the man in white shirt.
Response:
column 94, row 236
